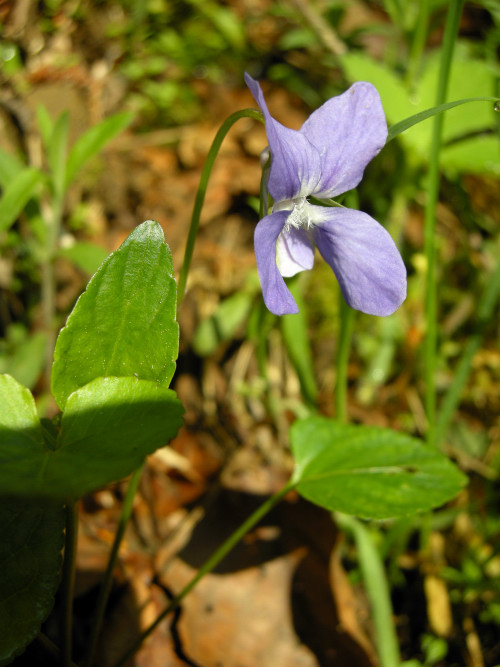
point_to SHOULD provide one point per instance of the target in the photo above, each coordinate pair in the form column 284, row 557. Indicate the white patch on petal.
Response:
column 294, row 252
column 287, row 266
column 295, row 247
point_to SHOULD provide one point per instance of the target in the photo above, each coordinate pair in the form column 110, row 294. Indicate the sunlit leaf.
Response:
column 407, row 109
column 479, row 155
column 107, row 429
column 368, row 471
column 124, row 323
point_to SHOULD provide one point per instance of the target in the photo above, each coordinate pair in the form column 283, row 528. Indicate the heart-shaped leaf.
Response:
column 124, row 323
column 107, row 429
column 368, row 471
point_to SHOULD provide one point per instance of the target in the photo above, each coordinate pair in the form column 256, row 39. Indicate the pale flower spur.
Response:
column 324, row 159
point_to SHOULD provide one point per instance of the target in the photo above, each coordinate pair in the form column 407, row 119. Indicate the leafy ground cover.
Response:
column 294, row 592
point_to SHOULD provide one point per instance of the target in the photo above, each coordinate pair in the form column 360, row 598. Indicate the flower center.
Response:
column 299, row 214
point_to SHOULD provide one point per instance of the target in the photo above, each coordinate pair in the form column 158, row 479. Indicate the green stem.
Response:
column 430, row 346
column 418, row 43
column 264, row 192
column 68, row 582
column 113, row 557
column 209, row 565
column 202, row 188
column 48, row 283
column 374, row 577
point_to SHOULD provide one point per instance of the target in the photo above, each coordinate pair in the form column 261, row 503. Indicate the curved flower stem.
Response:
column 202, row 188
column 108, row 576
column 210, row 564
column 68, row 582
column 430, row 350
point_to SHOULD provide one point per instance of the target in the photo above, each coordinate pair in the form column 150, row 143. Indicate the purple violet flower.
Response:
column 324, row 159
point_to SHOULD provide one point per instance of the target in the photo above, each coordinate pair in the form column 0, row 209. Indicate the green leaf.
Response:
column 107, row 429
column 45, row 124
column 377, row 587
column 93, row 141
column 124, row 323
column 368, row 471
column 405, row 124
column 223, row 324
column 30, row 560
column 10, row 166
column 85, row 255
column 25, row 360
column 479, row 155
column 22, row 445
column 20, row 428
column 393, row 93
column 295, row 334
column 56, row 153
column 467, row 78
column 17, row 194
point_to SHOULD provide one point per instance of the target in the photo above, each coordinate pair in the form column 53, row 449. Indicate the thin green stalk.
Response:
column 113, row 557
column 202, row 188
column 377, row 588
column 264, row 192
column 68, row 582
column 418, row 43
column 485, row 311
column 209, row 565
column 430, row 344
column 48, row 283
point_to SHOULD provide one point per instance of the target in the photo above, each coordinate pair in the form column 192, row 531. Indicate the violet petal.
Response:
column 364, row 258
column 348, row 131
column 276, row 295
column 295, row 163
